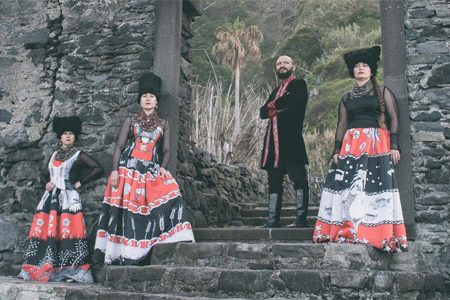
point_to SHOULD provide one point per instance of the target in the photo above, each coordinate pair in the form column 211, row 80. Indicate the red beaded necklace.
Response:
column 148, row 122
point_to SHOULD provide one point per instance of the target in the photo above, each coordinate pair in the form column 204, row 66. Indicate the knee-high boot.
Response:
column 274, row 211
column 302, row 198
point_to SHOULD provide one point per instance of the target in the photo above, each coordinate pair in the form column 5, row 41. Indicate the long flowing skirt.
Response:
column 143, row 211
column 360, row 200
column 57, row 244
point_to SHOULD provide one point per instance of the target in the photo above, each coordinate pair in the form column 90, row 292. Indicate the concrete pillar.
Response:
column 394, row 66
column 167, row 66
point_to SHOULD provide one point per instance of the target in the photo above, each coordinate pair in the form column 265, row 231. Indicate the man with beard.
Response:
column 284, row 149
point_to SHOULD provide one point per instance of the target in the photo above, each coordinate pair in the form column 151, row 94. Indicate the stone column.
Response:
column 394, row 66
column 167, row 66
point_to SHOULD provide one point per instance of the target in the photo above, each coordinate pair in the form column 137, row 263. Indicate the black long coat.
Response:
column 290, row 125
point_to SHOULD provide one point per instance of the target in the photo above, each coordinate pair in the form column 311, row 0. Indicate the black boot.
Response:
column 274, row 211
column 302, row 197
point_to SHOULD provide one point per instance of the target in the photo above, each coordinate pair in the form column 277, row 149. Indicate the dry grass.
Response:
column 213, row 123
column 320, row 146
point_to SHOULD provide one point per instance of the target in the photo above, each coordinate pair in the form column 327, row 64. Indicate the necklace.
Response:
column 62, row 154
column 148, row 122
column 363, row 90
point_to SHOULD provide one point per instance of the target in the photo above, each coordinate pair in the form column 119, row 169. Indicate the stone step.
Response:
column 285, row 212
column 282, row 256
column 260, row 221
column 285, row 204
column 258, row 284
column 254, row 235
column 16, row 289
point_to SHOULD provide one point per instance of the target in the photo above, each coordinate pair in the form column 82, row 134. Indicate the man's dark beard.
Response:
column 284, row 75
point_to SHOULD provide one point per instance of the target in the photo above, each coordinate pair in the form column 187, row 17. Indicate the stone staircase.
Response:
column 253, row 263
column 256, row 214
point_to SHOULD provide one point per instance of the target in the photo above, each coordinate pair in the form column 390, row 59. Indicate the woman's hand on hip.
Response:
column 49, row 186
column 114, row 179
column 163, row 173
column 77, row 186
column 395, row 156
column 335, row 158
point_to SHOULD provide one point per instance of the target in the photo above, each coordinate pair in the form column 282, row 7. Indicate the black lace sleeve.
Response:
column 166, row 146
column 96, row 169
column 121, row 142
column 341, row 126
column 45, row 174
column 392, row 114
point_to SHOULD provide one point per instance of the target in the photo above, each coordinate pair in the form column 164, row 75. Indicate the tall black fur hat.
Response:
column 149, row 83
column 370, row 56
column 62, row 124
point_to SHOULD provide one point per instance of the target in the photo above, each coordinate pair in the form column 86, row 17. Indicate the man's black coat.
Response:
column 290, row 125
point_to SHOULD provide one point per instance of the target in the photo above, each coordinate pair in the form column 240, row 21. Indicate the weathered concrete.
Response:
column 394, row 66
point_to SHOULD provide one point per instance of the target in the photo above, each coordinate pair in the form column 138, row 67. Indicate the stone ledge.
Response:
column 253, row 234
column 257, row 284
column 12, row 288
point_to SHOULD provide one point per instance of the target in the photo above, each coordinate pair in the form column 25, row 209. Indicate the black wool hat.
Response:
column 63, row 124
column 370, row 56
column 149, row 83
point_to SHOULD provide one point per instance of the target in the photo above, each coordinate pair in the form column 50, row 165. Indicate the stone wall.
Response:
column 428, row 73
column 60, row 58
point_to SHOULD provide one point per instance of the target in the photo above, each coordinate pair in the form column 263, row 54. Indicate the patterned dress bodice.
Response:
column 60, row 174
column 146, row 143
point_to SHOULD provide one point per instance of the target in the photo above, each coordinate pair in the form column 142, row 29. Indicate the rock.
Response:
column 438, row 176
column 436, row 152
column 434, row 282
column 305, row 281
column 24, row 170
column 409, row 282
column 432, row 47
column 30, row 38
column 26, row 154
column 186, row 69
column 7, row 194
column 422, row 13
column 427, row 127
column 383, row 281
column 429, row 217
column 243, row 280
column 249, row 251
column 432, row 164
column 29, row 199
column 440, row 97
column 426, row 116
column 14, row 138
column 10, row 233
column 348, row 279
column 438, row 76
column 6, row 63
column 428, row 137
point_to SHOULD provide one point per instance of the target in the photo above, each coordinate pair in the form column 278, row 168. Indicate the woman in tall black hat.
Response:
column 57, row 247
column 142, row 204
column 360, row 202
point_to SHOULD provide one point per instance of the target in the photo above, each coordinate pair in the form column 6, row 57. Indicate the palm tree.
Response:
column 236, row 43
